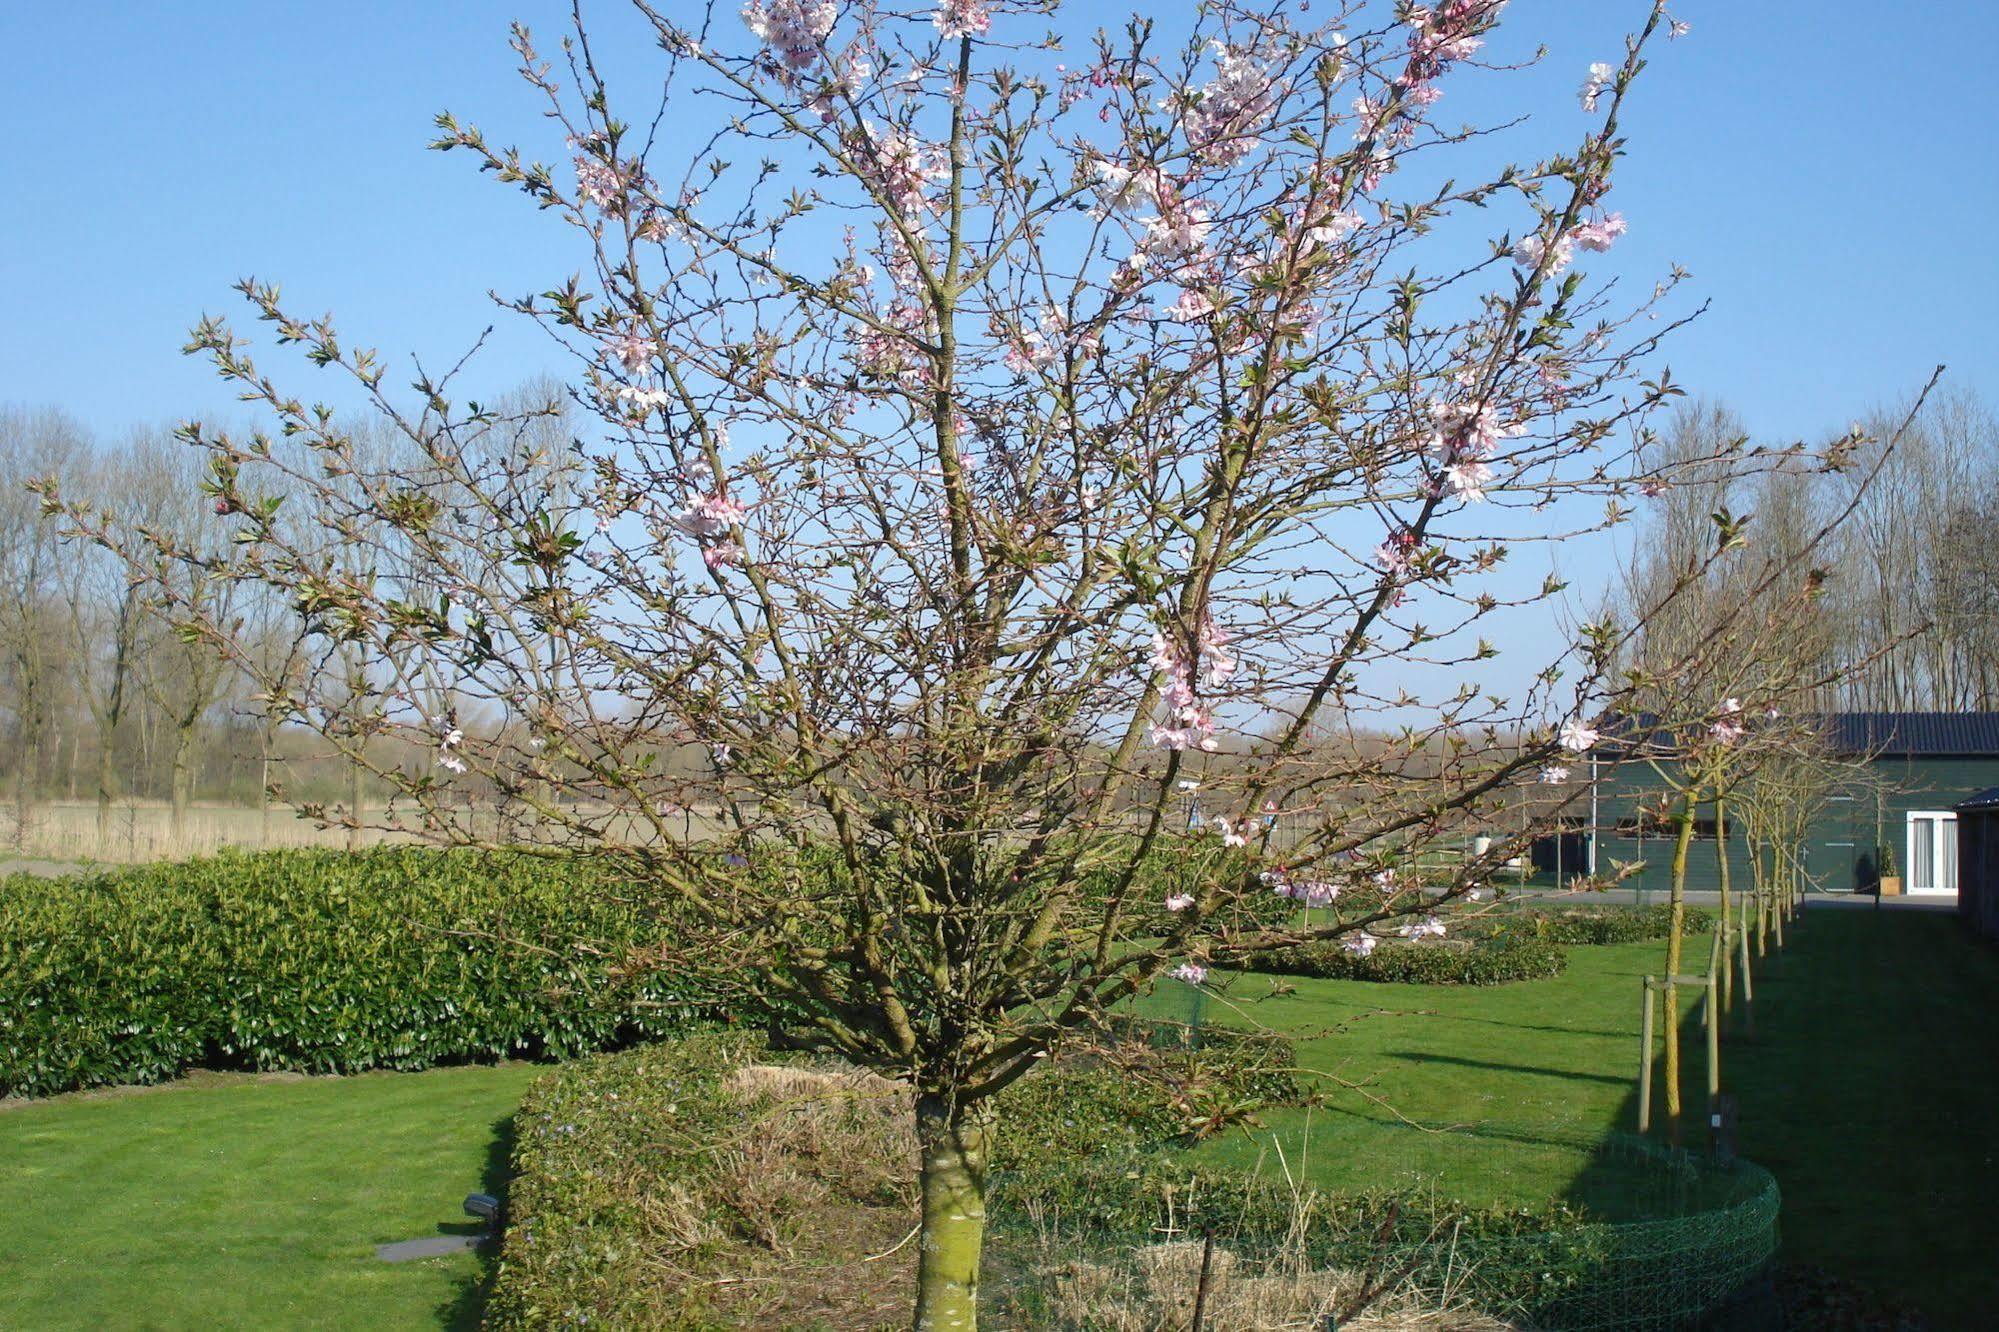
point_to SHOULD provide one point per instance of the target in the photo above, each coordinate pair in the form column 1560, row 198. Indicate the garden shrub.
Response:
column 321, row 962
column 1492, row 961
column 643, row 1178
column 1610, row 925
column 641, row 1175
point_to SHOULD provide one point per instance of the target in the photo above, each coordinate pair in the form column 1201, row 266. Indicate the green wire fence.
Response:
column 1642, row 1237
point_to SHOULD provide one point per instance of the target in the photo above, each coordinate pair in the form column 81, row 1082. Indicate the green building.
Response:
column 1910, row 769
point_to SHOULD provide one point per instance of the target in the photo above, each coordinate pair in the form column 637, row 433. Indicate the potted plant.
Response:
column 1887, row 878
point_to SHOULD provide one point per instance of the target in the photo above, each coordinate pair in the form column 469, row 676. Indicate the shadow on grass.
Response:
column 1459, row 1061
column 467, row 1308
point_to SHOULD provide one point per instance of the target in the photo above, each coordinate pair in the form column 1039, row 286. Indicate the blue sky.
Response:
column 1825, row 170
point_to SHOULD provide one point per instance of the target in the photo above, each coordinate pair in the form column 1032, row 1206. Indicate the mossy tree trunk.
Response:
column 955, row 1141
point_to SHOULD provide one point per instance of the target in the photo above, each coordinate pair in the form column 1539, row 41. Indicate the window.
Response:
column 1932, row 857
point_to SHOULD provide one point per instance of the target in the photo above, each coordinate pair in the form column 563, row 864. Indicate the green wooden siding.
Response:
column 1840, row 848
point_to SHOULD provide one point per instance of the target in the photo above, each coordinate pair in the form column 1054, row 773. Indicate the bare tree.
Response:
column 33, row 444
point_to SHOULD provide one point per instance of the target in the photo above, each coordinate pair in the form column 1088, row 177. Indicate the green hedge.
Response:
column 1488, row 949
column 621, row 1164
column 620, row 1211
column 1493, row 961
column 321, row 962
column 1611, row 925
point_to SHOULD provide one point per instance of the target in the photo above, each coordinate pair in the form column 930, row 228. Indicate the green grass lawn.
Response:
column 246, row 1203
column 1869, row 1091
column 1552, row 1057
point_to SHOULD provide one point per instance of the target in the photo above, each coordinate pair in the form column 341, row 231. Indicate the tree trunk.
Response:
column 264, row 747
column 1681, row 841
column 955, row 1140
column 354, row 775
column 107, row 778
column 1725, row 919
column 181, row 787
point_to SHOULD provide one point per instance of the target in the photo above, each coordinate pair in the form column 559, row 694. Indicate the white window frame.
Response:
column 1946, row 821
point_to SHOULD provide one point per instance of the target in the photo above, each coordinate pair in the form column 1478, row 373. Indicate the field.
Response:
column 257, row 1202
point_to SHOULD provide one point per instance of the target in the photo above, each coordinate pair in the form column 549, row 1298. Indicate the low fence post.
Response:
column 1645, row 1060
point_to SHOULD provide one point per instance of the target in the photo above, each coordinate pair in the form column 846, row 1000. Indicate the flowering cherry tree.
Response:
column 990, row 431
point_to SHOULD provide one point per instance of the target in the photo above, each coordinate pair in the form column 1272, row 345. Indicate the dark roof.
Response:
column 1983, row 800
column 1913, row 734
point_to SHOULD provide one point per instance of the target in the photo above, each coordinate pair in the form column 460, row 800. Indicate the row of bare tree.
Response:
column 1908, row 616
column 104, row 695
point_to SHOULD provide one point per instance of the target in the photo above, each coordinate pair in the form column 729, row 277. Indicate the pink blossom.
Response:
column 1677, row 28
column 1223, row 125
column 962, row 18
column 638, row 401
column 1599, row 234
column 709, row 515
column 1553, row 774
column 1727, row 727
column 1192, row 305
column 450, row 762
column 1124, row 189
column 1333, row 228
column 1397, row 555
column 1424, row 928
column 1178, row 236
column 1599, row 79
column 722, row 554
column 1233, row 834
column 1578, row 738
column 1360, row 945
column 1467, row 480
column 598, row 182
column 1035, row 348
column 904, row 167
column 633, row 352
column 1179, row 902
column 1440, row 36
column 1530, row 249
column 794, row 30
column 1188, row 722
column 1193, row 973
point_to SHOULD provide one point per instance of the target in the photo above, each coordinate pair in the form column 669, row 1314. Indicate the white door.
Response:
column 1932, row 864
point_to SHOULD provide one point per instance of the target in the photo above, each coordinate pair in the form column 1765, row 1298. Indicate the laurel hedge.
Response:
column 321, row 962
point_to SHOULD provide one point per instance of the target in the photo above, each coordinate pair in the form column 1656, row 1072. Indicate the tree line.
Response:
column 1897, row 541
column 105, row 696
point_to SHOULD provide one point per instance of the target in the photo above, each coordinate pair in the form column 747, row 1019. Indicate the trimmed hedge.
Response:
column 1493, row 961
column 615, row 1161
column 1488, row 950
column 1615, row 925
column 322, row 962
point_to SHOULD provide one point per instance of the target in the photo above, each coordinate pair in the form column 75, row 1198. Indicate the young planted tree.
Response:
column 988, row 431
column 1735, row 643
